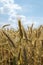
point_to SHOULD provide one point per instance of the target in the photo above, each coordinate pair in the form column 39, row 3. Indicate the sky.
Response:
column 29, row 11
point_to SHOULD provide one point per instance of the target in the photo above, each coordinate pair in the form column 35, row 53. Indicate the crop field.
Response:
column 21, row 46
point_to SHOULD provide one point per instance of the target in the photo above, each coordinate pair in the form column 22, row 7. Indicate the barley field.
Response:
column 21, row 46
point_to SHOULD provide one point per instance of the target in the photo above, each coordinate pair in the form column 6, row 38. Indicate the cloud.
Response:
column 1, row 10
column 9, row 7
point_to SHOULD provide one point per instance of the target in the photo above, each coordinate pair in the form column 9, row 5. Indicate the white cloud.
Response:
column 7, row 1
column 1, row 10
column 9, row 7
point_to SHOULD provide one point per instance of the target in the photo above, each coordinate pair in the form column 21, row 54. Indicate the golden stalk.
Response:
column 9, row 39
column 20, row 28
column 5, row 25
column 25, row 57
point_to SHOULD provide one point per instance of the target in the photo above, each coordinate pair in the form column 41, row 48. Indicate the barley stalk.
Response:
column 25, row 57
column 20, row 28
column 5, row 25
column 9, row 39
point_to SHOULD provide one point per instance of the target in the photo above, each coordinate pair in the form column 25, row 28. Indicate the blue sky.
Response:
column 29, row 11
column 32, row 7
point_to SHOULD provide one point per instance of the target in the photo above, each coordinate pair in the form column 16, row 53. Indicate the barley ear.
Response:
column 20, row 28
column 5, row 25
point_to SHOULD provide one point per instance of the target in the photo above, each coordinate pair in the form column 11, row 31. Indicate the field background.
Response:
column 21, row 46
